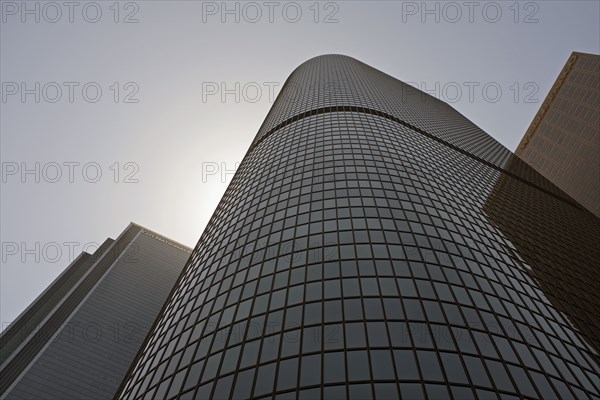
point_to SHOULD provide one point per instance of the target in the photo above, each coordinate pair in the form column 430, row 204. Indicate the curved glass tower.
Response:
column 374, row 243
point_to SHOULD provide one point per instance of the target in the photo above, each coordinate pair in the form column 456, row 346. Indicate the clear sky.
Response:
column 111, row 113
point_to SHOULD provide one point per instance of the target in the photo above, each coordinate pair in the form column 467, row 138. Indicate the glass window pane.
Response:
column 430, row 367
column 406, row 365
column 334, row 392
column 453, row 368
column 265, row 379
column 387, row 391
column 353, row 309
column 500, row 376
column 243, row 384
column 381, row 362
column 360, row 392
column 377, row 333
column 287, row 374
column 358, row 366
column 270, row 348
column 311, row 370
column 311, row 339
column 411, row 391
column 477, row 371
column 355, row 335
column 334, row 367
column 290, row 345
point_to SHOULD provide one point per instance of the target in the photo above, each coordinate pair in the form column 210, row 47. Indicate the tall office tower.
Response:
column 563, row 140
column 79, row 337
column 374, row 243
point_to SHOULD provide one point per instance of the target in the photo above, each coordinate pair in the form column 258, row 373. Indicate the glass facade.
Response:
column 79, row 337
column 372, row 244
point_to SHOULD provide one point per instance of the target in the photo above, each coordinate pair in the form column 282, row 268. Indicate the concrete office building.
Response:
column 79, row 337
column 563, row 140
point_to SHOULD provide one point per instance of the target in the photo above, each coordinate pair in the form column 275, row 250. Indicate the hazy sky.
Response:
column 116, row 109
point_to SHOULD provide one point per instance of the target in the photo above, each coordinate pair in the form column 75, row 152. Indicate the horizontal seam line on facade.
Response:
column 365, row 110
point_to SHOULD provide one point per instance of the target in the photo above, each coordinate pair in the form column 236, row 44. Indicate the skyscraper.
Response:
column 372, row 245
column 563, row 140
column 77, row 339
